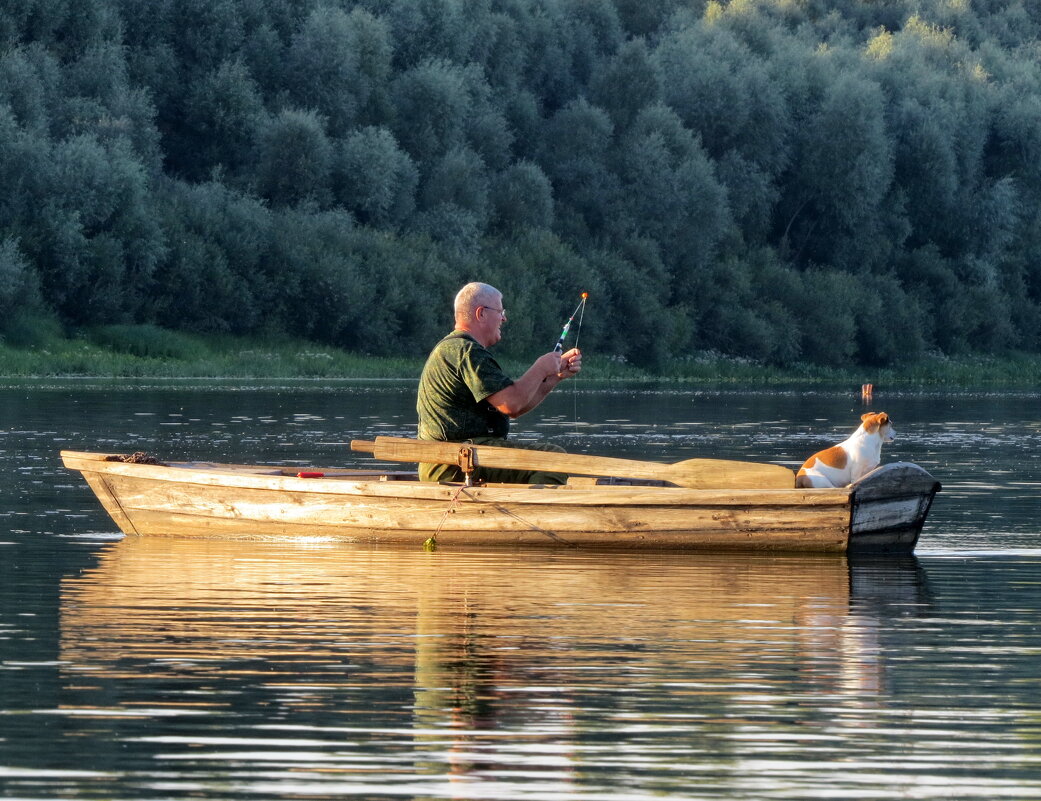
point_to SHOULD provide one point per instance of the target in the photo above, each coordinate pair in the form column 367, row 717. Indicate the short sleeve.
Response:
column 481, row 372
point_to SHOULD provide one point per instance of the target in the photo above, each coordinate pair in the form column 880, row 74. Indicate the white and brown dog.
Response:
column 844, row 463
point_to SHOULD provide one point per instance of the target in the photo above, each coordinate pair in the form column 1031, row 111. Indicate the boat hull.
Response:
column 884, row 511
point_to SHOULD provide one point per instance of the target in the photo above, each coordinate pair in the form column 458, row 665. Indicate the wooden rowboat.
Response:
column 753, row 507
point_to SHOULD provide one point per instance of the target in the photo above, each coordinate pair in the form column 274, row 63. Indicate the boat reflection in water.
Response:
column 330, row 666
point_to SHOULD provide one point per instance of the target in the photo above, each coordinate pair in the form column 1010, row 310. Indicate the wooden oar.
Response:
column 692, row 473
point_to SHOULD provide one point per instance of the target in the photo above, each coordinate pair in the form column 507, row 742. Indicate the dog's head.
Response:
column 880, row 423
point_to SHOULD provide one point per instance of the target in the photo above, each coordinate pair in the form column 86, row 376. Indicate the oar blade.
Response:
column 731, row 474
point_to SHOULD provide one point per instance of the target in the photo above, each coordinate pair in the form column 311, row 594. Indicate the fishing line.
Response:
column 580, row 310
column 574, row 386
column 578, row 331
column 559, row 347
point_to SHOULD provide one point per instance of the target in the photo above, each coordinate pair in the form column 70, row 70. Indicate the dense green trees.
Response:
column 830, row 183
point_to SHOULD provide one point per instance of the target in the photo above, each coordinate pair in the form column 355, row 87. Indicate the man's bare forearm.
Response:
column 528, row 391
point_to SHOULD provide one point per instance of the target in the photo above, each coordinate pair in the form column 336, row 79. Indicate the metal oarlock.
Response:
column 467, row 463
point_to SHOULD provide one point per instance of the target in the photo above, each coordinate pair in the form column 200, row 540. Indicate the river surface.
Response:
column 153, row 668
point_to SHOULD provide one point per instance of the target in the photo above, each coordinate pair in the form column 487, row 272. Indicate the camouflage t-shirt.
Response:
column 459, row 376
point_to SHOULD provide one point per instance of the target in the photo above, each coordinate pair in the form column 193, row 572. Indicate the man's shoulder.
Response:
column 449, row 356
column 458, row 345
column 459, row 339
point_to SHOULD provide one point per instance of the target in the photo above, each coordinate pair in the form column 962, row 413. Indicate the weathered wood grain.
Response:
column 229, row 501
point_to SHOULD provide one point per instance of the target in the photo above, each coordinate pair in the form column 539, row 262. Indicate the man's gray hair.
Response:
column 473, row 295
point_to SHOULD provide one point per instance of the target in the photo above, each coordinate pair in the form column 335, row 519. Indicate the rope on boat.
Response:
column 552, row 535
column 431, row 542
column 139, row 457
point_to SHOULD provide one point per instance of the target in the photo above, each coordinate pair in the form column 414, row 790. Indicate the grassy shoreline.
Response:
column 139, row 352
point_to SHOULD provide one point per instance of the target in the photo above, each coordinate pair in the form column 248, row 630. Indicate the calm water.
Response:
column 152, row 668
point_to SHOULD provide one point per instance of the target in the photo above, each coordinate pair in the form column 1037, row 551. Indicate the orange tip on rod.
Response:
column 559, row 347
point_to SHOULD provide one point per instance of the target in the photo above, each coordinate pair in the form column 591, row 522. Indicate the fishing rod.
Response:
column 559, row 348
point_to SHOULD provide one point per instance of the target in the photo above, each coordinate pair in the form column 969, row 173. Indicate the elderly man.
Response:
column 464, row 396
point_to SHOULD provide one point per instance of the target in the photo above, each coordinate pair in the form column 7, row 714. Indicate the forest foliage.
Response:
column 780, row 180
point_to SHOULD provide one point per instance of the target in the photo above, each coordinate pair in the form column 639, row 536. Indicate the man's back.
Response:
column 459, row 375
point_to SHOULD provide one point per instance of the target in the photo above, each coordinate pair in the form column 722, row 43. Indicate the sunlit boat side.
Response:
column 885, row 510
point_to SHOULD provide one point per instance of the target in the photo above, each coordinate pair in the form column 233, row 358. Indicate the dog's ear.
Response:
column 873, row 421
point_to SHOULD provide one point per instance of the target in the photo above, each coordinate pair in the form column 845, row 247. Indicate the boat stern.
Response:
column 889, row 506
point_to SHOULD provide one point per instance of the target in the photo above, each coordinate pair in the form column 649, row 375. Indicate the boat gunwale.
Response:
column 368, row 483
